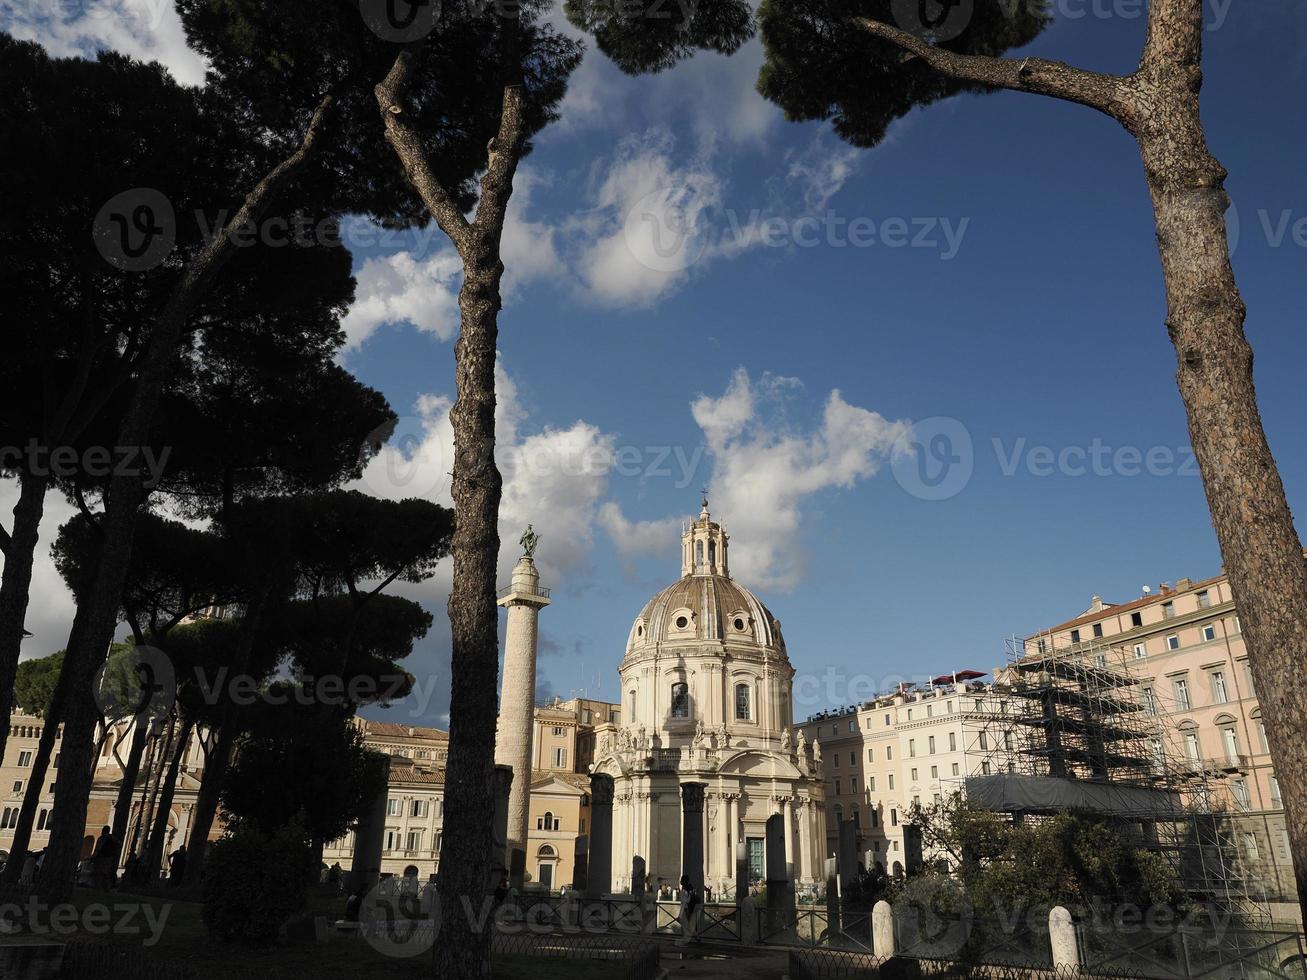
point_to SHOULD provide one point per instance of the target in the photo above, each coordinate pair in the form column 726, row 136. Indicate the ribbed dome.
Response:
column 700, row 608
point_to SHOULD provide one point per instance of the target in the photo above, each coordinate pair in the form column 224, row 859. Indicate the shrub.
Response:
column 254, row 882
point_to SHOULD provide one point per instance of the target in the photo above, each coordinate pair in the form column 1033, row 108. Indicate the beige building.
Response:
column 915, row 745
column 559, row 804
column 1184, row 644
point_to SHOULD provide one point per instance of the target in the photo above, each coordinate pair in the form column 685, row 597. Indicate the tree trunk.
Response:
column 97, row 614
column 464, row 882
column 1205, row 315
column 154, row 849
column 206, row 802
column 122, row 809
column 15, row 584
column 474, row 620
column 35, row 782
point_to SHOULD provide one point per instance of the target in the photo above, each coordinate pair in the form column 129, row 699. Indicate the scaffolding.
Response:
column 1067, row 729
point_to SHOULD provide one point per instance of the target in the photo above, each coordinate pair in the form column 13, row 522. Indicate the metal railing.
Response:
column 539, row 591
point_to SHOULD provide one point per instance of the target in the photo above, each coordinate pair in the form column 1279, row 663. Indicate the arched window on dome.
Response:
column 680, row 700
column 712, row 553
column 742, row 704
column 698, row 552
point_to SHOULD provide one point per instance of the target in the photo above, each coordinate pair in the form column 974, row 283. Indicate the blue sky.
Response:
column 788, row 368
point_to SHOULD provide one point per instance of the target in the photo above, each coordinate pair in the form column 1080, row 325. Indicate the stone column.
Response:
column 882, row 930
column 692, row 833
column 848, row 855
column 1062, row 936
column 780, row 890
column 516, row 727
column 741, row 871
column 786, row 811
column 369, row 839
column 800, row 849
column 600, row 881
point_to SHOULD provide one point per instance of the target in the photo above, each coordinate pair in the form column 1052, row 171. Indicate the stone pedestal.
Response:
column 882, row 930
column 692, row 834
column 516, row 726
column 600, row 879
column 369, row 841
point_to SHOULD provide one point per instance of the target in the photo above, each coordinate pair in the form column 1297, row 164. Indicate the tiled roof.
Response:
column 1114, row 610
column 391, row 729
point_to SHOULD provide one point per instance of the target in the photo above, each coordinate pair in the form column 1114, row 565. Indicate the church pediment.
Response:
column 755, row 762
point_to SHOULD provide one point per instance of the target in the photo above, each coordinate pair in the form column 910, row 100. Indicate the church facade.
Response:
column 706, row 698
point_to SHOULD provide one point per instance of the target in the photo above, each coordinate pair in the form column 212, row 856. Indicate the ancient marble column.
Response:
column 369, row 840
column 692, row 833
column 516, row 727
column 600, row 880
column 780, row 889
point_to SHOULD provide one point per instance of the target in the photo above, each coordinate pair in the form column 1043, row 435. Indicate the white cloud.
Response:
column 554, row 478
column 766, row 468
column 403, row 288
column 149, row 30
column 632, row 538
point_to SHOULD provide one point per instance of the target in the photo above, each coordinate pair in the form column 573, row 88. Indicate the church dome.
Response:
column 705, row 605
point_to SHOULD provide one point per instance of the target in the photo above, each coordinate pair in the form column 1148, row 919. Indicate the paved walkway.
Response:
column 723, row 960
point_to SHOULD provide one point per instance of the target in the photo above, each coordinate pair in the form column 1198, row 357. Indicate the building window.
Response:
column 1204, row 600
column 913, row 774
column 1075, row 636
column 1168, row 609
column 1150, row 701
column 680, row 700
column 548, row 822
column 837, row 787
column 1241, row 798
column 934, row 772
column 887, row 722
column 1136, row 619
column 682, row 622
column 1276, row 799
column 1100, row 660
column 1191, row 752
column 871, row 784
column 414, row 839
column 560, row 758
column 871, row 755
column 912, row 748
column 742, row 701
column 1173, row 641
column 559, row 730
column 24, row 759
column 418, row 809
column 1261, row 735
column 1040, row 645
column 891, row 780
column 853, row 760
column 1230, row 742
column 868, row 722
column 1219, row 695
column 1250, row 846
column 955, row 768
column 893, row 818
column 1098, row 630
column 394, row 808
column 392, row 839
column 836, row 759
column 1180, row 688
column 44, row 816
column 853, row 724
column 1209, row 632
column 1140, row 651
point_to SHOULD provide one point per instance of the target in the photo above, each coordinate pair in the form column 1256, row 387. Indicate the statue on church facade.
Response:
column 785, row 740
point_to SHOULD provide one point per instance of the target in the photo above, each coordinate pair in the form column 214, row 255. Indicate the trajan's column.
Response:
column 524, row 599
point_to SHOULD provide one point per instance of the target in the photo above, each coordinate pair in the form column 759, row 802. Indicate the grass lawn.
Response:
column 183, row 941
